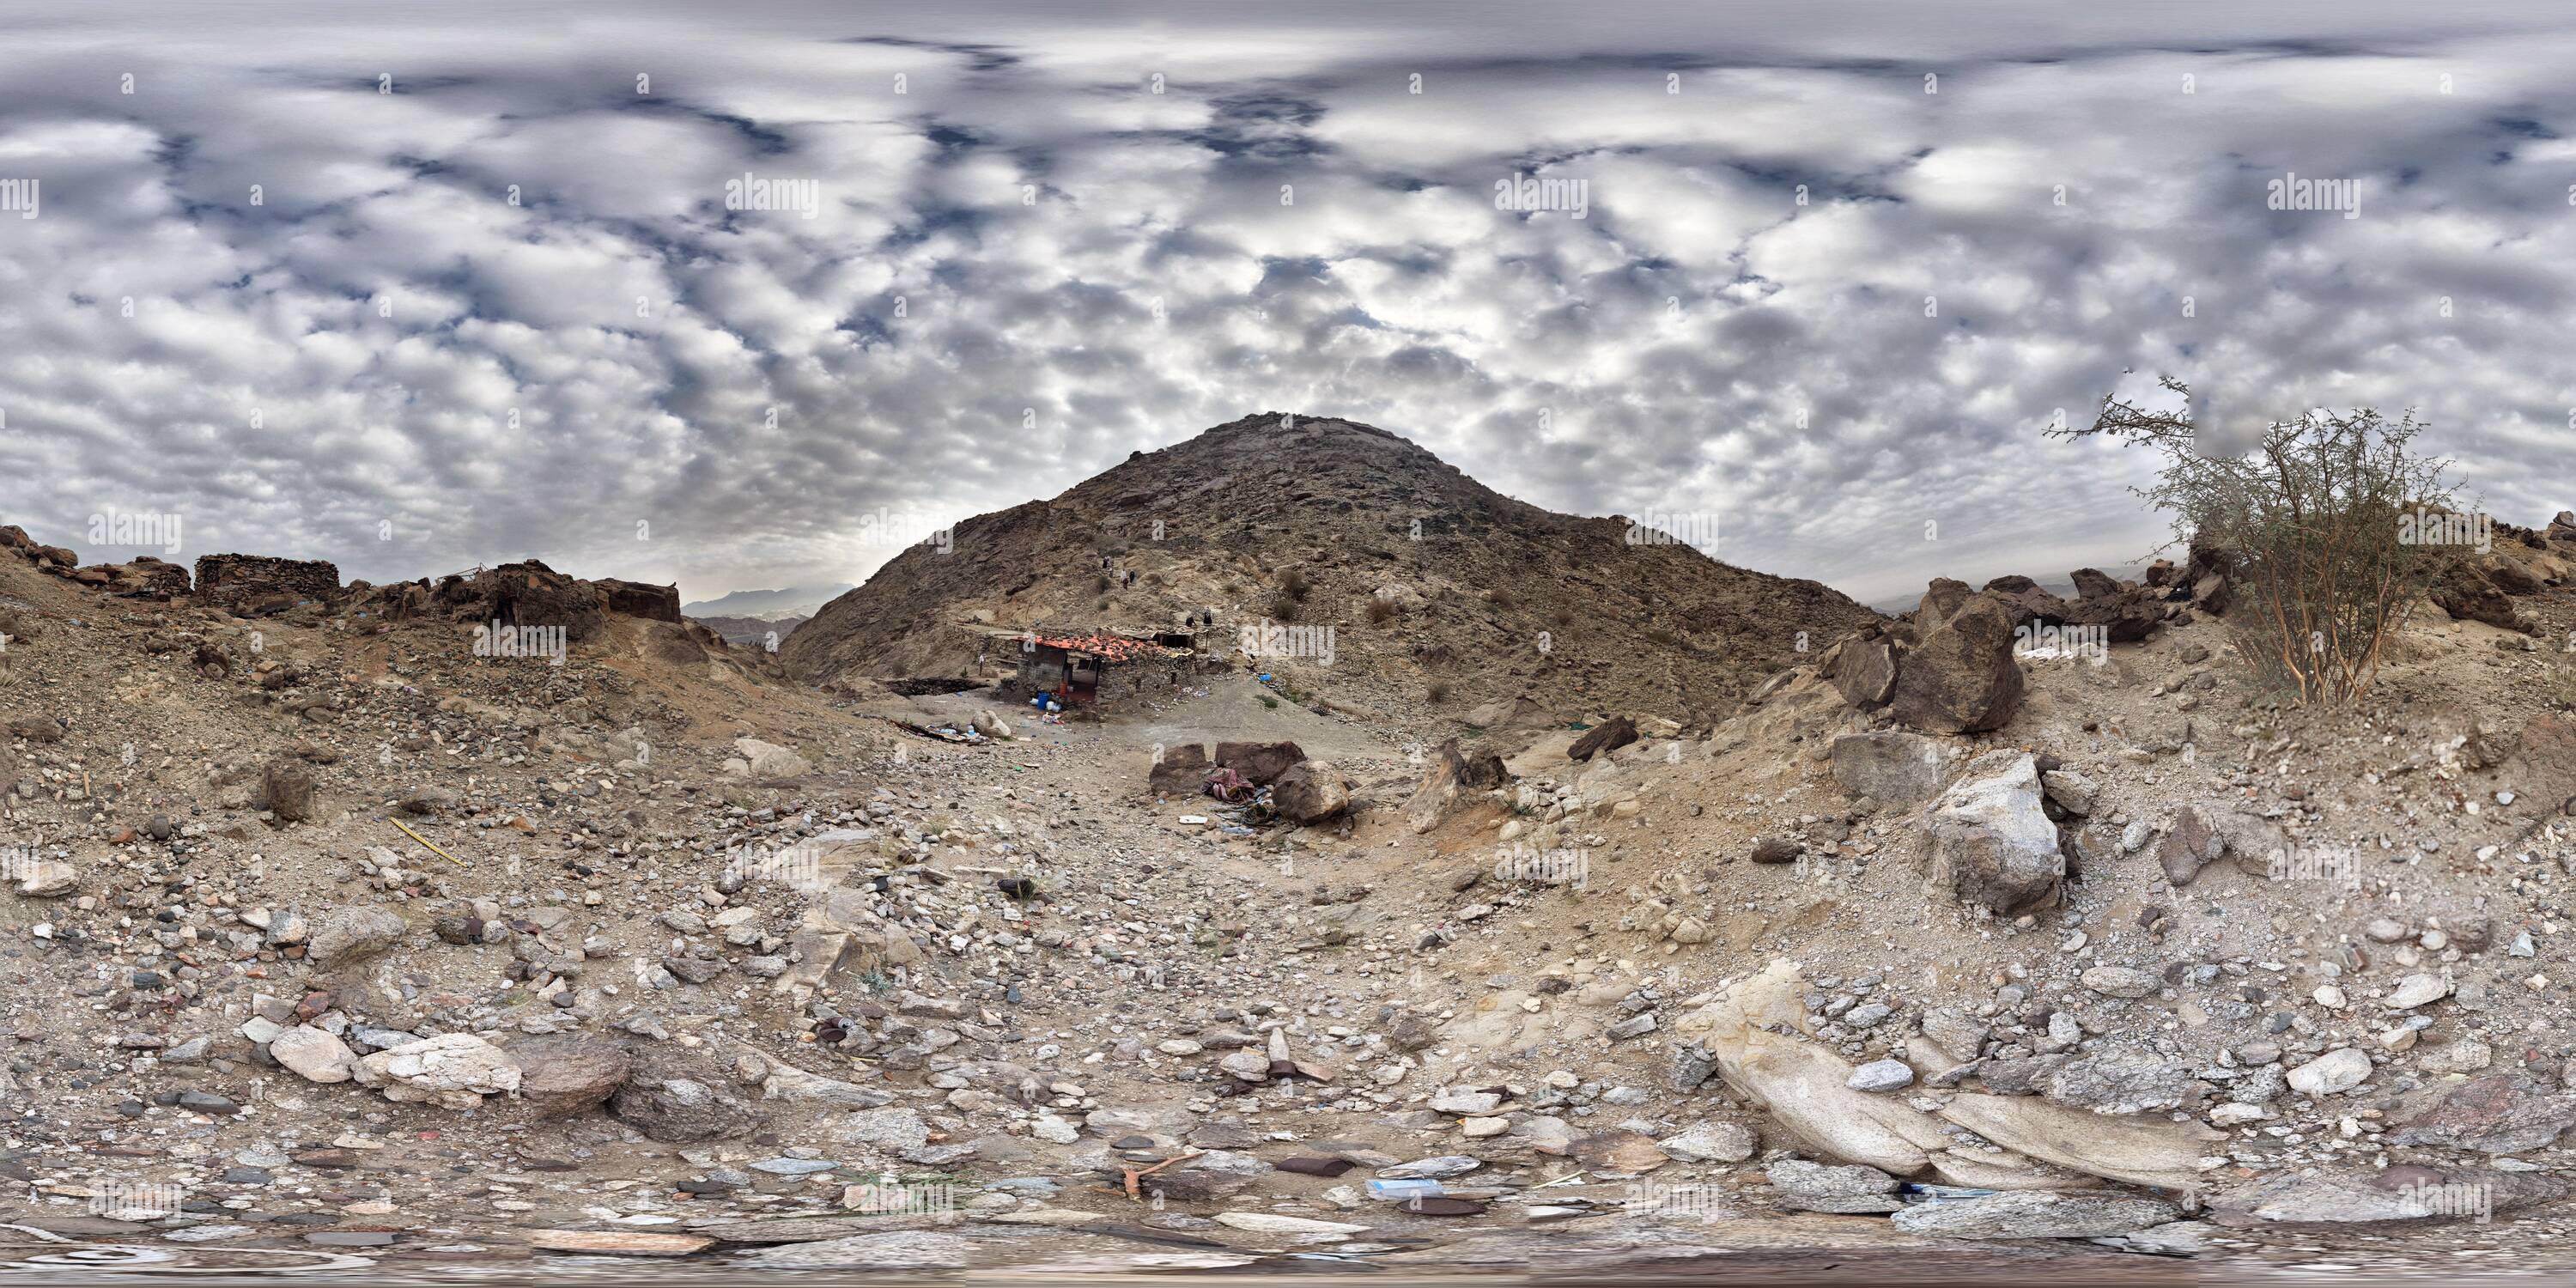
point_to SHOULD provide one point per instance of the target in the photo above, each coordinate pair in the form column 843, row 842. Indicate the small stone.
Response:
column 314, row 1055
column 2119, row 981
column 2417, row 990
column 352, row 934
column 1881, row 1075
column 2339, row 1070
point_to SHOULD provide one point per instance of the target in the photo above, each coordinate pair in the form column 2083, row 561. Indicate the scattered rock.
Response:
column 2120, row 981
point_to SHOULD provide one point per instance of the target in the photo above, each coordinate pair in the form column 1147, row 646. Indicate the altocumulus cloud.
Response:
column 653, row 294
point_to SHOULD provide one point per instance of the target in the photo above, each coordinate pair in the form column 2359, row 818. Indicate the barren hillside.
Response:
column 1442, row 593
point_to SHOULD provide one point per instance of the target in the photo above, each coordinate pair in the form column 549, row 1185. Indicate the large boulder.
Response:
column 2210, row 572
column 1891, row 766
column 46, row 878
column 2406, row 1192
column 677, row 1111
column 452, row 1070
column 1801, row 1186
column 144, row 578
column 2093, row 583
column 1609, row 735
column 1943, row 598
column 1310, row 792
column 2510, row 577
column 2469, row 594
column 1992, row 843
column 1863, row 669
column 36, row 728
column 2126, row 616
column 1259, row 762
column 2543, row 765
column 2026, row 600
column 1961, row 676
column 2036, row 1214
column 1179, row 771
column 563, row 1076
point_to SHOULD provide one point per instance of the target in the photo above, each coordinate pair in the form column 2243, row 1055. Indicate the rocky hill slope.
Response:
column 1441, row 593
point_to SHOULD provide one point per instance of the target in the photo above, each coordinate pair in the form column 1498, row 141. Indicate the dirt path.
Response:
column 1231, row 710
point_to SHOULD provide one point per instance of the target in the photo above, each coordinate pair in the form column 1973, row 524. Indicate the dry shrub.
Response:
column 2315, row 519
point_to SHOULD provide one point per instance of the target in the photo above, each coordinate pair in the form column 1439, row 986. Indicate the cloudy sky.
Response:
column 722, row 294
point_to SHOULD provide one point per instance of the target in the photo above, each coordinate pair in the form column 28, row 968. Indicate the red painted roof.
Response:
column 1113, row 648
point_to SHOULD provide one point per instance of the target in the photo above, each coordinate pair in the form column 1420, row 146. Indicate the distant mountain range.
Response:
column 792, row 601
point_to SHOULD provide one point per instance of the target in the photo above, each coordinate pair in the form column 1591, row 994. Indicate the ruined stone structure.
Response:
column 256, row 583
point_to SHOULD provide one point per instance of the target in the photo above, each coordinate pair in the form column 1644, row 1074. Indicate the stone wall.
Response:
column 259, row 583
